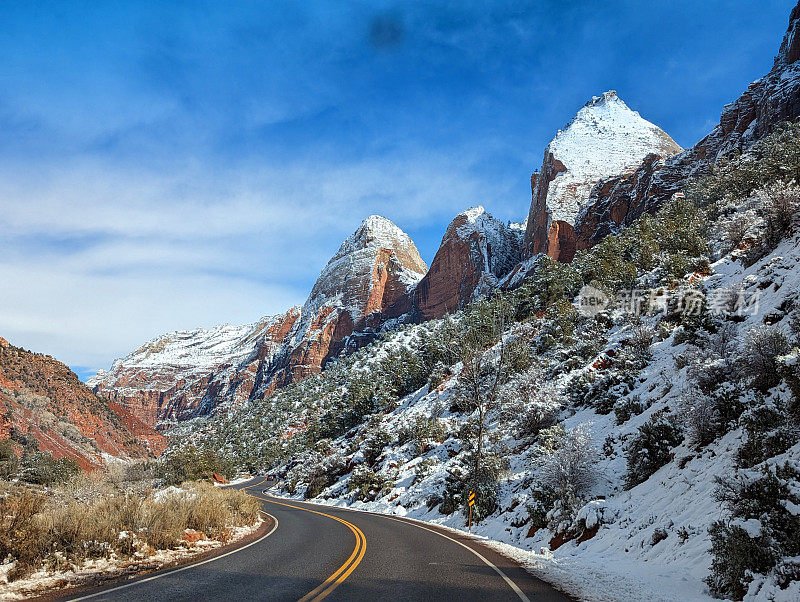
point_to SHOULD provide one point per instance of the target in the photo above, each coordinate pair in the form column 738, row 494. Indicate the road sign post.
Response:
column 471, row 502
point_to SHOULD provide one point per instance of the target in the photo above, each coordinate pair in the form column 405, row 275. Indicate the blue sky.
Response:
column 172, row 165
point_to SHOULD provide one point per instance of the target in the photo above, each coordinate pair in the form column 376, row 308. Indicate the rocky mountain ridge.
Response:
column 42, row 403
column 186, row 374
column 617, row 201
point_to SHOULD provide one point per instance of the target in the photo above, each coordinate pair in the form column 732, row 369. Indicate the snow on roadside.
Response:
column 653, row 541
column 237, row 481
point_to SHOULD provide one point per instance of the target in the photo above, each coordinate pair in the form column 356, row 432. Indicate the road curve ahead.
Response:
column 316, row 552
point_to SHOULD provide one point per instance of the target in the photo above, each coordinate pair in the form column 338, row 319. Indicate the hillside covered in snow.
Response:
column 629, row 421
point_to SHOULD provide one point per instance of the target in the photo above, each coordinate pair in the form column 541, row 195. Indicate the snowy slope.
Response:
column 653, row 540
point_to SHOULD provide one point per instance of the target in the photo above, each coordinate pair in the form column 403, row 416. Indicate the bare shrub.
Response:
column 567, row 463
column 700, row 417
column 641, row 340
column 779, row 203
column 22, row 535
column 736, row 231
column 762, row 348
column 723, row 342
column 92, row 518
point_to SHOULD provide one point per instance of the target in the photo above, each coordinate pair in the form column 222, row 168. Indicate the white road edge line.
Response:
column 183, row 568
column 485, row 560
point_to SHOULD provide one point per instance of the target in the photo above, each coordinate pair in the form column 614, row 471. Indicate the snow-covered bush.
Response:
column 42, row 468
column 422, row 432
column 769, row 431
column 543, row 500
column 531, row 401
column 737, row 230
column 566, row 464
column 189, row 463
column 763, row 528
column 558, row 326
column 763, row 346
column 602, row 390
column 779, row 202
column 789, row 366
column 374, row 444
column 367, row 484
column 628, row 407
column 794, row 326
column 317, row 469
column 481, row 478
column 424, row 468
column 519, row 354
column 439, row 374
column 713, row 375
column 700, row 417
column 650, row 448
column 548, row 283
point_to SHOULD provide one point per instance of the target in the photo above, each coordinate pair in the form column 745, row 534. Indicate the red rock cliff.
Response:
column 605, row 138
column 476, row 251
column 42, row 400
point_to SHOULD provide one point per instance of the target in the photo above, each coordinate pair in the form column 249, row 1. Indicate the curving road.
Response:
column 314, row 552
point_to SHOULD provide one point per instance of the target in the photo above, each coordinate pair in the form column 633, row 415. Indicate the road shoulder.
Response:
column 91, row 582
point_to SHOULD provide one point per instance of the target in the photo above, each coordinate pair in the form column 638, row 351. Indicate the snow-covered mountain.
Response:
column 604, row 139
column 602, row 171
column 190, row 373
column 621, row 198
column 375, row 266
column 187, row 373
column 476, row 251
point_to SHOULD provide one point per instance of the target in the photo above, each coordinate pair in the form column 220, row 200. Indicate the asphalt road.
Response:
column 317, row 552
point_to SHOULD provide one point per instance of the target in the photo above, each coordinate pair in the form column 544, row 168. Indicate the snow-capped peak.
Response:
column 473, row 213
column 374, row 231
column 605, row 138
column 348, row 280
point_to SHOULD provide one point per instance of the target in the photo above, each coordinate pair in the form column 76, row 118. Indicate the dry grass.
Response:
column 98, row 518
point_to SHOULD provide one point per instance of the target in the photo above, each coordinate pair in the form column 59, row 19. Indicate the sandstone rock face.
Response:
column 476, row 251
column 617, row 201
column 377, row 265
column 604, row 139
column 182, row 375
column 43, row 400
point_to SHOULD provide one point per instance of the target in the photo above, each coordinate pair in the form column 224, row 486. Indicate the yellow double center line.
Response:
column 343, row 572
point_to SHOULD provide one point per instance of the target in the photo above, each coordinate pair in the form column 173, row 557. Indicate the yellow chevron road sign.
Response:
column 471, row 498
